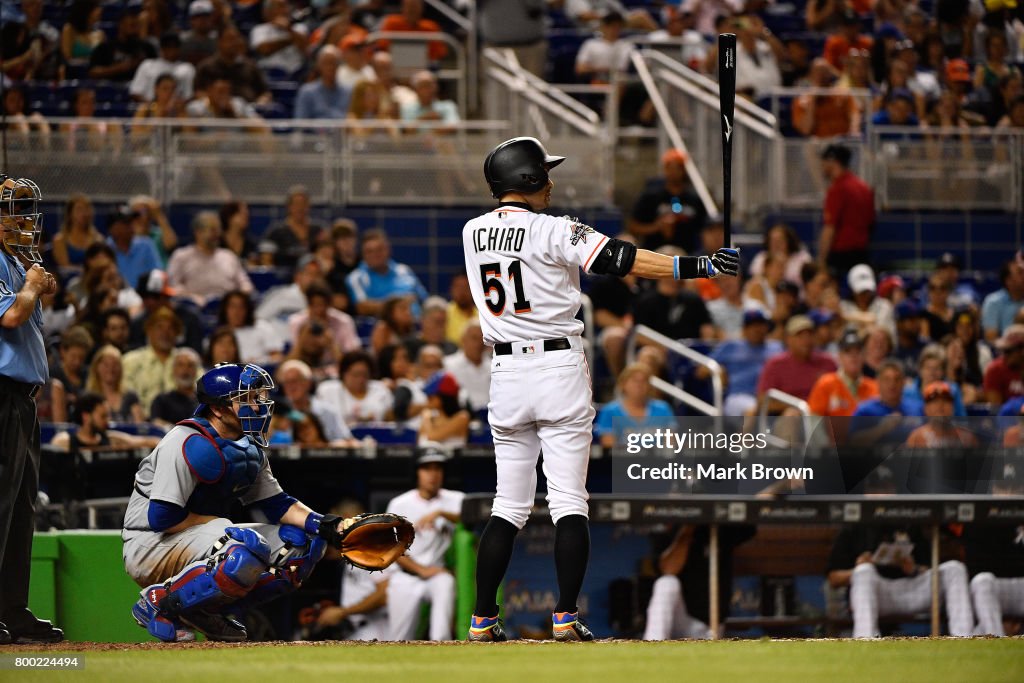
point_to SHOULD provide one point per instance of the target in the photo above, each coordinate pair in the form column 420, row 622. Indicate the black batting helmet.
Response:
column 519, row 165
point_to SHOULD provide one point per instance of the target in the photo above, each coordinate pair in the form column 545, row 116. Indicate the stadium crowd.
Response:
column 944, row 63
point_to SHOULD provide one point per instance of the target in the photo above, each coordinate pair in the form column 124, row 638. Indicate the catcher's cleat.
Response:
column 568, row 627
column 5, row 635
column 486, row 630
column 215, row 626
column 148, row 617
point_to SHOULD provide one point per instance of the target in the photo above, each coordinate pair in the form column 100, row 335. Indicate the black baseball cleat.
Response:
column 486, row 630
column 568, row 627
column 215, row 626
column 5, row 635
column 36, row 631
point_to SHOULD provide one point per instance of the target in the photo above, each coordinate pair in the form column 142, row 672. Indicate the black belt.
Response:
column 22, row 388
column 560, row 344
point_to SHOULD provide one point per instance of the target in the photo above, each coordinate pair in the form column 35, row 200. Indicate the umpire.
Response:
column 23, row 369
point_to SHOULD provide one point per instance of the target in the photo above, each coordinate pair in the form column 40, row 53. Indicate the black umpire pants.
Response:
column 19, row 485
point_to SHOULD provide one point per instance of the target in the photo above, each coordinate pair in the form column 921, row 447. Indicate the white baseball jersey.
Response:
column 523, row 270
column 432, row 543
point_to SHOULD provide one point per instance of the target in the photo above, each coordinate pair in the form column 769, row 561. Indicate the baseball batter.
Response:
column 193, row 561
column 524, row 271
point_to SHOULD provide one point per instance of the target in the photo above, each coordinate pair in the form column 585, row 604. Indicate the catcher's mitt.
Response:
column 373, row 541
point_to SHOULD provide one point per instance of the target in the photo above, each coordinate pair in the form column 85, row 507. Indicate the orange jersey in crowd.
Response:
column 831, row 395
column 1012, row 437
column 436, row 50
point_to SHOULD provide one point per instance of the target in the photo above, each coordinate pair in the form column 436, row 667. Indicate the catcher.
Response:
column 195, row 564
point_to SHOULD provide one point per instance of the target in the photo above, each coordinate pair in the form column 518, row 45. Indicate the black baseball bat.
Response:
column 727, row 103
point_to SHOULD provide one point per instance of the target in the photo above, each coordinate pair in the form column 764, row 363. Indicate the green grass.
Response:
column 899, row 661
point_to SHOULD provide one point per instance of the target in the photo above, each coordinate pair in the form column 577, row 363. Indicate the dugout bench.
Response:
column 807, row 511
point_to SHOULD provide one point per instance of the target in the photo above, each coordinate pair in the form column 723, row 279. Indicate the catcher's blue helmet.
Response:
column 250, row 386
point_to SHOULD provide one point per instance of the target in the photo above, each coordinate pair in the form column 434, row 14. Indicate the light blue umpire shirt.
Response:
column 22, row 351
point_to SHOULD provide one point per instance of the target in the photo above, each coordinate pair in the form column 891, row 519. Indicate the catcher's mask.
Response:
column 247, row 385
column 20, row 220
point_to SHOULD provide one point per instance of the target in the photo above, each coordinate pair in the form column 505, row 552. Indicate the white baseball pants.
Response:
column 407, row 593
column 541, row 400
column 667, row 618
column 993, row 597
column 872, row 596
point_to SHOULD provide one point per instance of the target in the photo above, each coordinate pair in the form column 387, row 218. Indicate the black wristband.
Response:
column 689, row 268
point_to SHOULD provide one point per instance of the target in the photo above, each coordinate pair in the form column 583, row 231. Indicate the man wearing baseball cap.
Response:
column 1004, row 376
column 797, row 369
column 866, row 308
column 445, row 421
column 836, row 394
column 156, row 292
column 199, row 40
column 423, row 577
column 668, row 211
column 742, row 359
column 939, row 431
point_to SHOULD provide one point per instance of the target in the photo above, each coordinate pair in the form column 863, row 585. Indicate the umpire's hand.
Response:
column 40, row 280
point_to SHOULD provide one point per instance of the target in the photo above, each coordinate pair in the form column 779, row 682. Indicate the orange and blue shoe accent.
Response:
column 568, row 627
column 486, row 630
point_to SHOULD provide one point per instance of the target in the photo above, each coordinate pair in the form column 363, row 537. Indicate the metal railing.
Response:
column 672, row 346
column 533, row 107
column 375, row 162
column 788, row 400
column 468, row 24
column 692, row 107
column 947, row 168
column 675, row 139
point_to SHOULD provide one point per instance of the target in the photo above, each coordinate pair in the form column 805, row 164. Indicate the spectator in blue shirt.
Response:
column 742, row 360
column 136, row 254
column 427, row 107
column 1000, row 307
column 890, row 404
column 378, row 278
column 1012, row 407
column 324, row 98
column 891, row 399
column 898, row 111
column 634, row 409
column 931, row 367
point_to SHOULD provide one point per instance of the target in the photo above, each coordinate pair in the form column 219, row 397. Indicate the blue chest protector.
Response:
column 226, row 469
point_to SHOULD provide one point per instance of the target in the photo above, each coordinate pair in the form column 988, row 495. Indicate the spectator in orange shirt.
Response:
column 939, row 431
column 836, row 394
column 829, row 115
column 847, row 35
column 411, row 19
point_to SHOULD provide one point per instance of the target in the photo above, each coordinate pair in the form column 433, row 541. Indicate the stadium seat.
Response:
column 386, row 433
